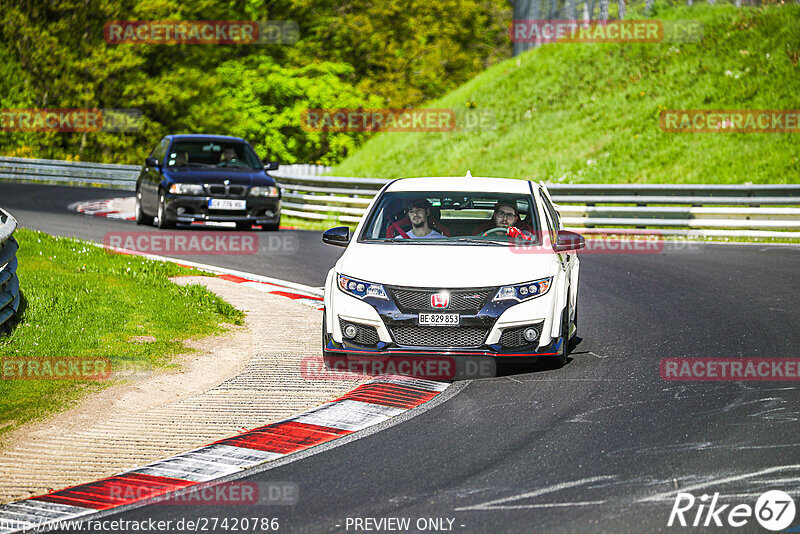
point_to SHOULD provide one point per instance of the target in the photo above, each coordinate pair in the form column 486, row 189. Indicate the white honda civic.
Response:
column 454, row 267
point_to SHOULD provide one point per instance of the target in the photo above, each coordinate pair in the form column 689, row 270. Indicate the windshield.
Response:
column 213, row 154
column 455, row 217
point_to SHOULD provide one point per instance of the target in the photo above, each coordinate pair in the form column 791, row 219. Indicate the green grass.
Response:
column 85, row 302
column 588, row 113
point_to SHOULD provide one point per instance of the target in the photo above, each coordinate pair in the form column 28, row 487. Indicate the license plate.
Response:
column 226, row 204
column 438, row 319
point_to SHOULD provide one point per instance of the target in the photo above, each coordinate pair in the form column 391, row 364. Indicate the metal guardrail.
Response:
column 683, row 209
column 69, row 172
column 9, row 283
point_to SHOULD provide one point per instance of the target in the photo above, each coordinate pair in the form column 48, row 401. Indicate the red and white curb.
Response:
column 310, row 296
column 369, row 404
column 111, row 208
column 312, row 300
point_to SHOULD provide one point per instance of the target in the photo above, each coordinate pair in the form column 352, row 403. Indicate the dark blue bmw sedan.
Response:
column 189, row 178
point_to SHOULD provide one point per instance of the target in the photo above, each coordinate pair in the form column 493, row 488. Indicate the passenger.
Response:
column 179, row 158
column 419, row 211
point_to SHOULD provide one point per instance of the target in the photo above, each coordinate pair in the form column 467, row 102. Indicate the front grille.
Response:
column 433, row 336
column 461, row 300
column 512, row 337
column 367, row 335
column 222, row 190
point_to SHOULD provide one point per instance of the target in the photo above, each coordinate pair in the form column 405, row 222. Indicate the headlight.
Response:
column 528, row 290
column 267, row 191
column 359, row 288
column 186, row 189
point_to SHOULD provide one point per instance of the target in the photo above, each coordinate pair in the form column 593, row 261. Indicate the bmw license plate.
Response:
column 438, row 319
column 226, row 204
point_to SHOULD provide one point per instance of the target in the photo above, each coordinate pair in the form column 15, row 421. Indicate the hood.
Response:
column 195, row 175
column 445, row 266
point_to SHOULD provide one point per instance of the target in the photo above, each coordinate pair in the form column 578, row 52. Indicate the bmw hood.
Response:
column 214, row 176
column 446, row 266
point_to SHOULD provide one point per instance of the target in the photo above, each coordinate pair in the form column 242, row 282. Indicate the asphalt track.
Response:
column 298, row 255
column 601, row 445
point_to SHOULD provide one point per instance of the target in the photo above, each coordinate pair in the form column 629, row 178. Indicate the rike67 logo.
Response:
column 774, row 510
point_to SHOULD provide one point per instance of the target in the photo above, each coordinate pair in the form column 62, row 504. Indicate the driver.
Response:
column 419, row 210
column 228, row 156
column 504, row 216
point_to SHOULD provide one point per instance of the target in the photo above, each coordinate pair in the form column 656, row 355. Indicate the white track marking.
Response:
column 498, row 503
column 669, row 495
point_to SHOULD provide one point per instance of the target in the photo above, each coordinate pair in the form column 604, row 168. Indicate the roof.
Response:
column 205, row 137
column 493, row 185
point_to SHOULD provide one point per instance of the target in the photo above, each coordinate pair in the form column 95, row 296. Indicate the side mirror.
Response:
column 271, row 165
column 151, row 162
column 566, row 240
column 339, row 236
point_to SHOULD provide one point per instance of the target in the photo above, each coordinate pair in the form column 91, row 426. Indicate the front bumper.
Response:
column 387, row 320
column 258, row 210
column 346, row 348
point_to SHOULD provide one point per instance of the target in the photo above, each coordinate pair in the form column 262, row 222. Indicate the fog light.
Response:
column 181, row 211
column 530, row 334
column 350, row 331
column 269, row 213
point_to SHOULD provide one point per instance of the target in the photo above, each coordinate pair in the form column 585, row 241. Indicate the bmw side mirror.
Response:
column 339, row 236
column 566, row 240
column 151, row 162
column 271, row 165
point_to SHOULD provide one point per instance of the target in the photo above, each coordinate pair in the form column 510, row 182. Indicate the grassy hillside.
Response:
column 589, row 112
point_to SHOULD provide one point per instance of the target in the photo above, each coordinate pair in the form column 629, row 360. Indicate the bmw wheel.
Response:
column 164, row 221
column 141, row 217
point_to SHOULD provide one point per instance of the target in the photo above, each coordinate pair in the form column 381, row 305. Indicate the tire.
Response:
column 561, row 360
column 271, row 227
column 164, row 222
column 556, row 362
column 574, row 322
column 141, row 217
column 330, row 358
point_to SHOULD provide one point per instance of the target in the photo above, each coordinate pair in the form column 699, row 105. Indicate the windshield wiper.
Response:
column 474, row 241
column 406, row 241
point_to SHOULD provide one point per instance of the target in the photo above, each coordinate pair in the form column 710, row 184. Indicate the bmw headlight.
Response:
column 264, row 191
column 186, row 189
column 359, row 288
column 528, row 290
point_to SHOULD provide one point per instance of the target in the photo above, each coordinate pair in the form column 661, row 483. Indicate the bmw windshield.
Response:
column 450, row 217
column 213, row 154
